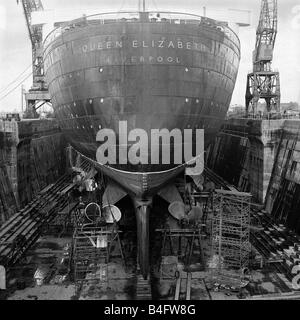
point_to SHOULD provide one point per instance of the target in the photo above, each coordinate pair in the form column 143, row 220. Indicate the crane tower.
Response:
column 262, row 81
column 39, row 90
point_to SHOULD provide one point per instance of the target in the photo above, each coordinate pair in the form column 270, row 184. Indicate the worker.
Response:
column 198, row 182
column 81, row 210
column 77, row 178
column 195, row 214
column 209, row 186
column 90, row 185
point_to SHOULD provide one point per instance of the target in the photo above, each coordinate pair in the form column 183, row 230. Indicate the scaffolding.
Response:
column 65, row 220
column 184, row 244
column 230, row 234
column 92, row 251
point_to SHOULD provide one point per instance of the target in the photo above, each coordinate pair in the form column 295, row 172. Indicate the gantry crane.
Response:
column 39, row 91
column 262, row 82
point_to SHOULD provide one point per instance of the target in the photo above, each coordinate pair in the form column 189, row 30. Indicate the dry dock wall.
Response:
column 8, row 177
column 8, row 203
column 262, row 157
column 244, row 153
column 283, row 194
column 33, row 156
column 40, row 157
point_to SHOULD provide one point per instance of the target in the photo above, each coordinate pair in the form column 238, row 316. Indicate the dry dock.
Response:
column 43, row 236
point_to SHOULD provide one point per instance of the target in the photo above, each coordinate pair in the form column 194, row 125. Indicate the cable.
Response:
column 21, row 81
column 155, row 5
column 122, row 6
column 2, row 90
column 15, row 87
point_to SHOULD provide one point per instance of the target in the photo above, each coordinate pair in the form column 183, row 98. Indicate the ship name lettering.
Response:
column 189, row 45
column 171, row 44
column 93, row 47
column 161, row 43
column 160, row 59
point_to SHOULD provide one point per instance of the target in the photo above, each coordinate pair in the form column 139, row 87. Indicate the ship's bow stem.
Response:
column 142, row 212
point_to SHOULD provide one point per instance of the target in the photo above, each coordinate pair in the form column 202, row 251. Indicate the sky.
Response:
column 15, row 47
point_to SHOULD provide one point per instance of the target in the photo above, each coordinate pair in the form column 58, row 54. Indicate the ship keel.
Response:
column 142, row 212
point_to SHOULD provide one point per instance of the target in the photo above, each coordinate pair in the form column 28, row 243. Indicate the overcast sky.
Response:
column 15, row 49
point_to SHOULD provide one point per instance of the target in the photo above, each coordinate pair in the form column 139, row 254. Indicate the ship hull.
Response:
column 151, row 74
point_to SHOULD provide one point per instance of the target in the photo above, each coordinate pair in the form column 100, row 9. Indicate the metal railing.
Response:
column 133, row 17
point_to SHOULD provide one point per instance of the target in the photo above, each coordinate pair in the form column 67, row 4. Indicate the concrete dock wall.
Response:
column 31, row 157
column 41, row 161
column 8, row 172
column 262, row 157
column 283, row 194
column 244, row 153
column 8, row 203
column 40, row 157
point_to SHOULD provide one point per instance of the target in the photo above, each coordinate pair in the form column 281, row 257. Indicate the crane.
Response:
column 262, row 81
column 39, row 90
